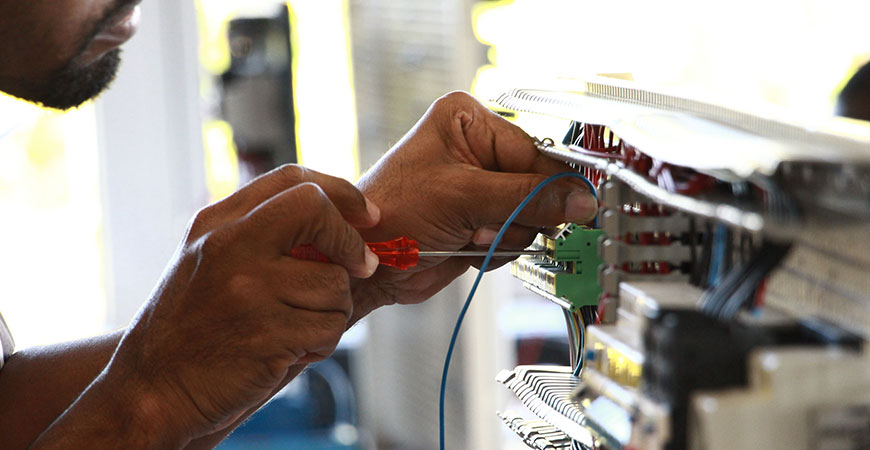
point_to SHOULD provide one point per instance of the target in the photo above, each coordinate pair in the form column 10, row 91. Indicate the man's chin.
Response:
column 71, row 86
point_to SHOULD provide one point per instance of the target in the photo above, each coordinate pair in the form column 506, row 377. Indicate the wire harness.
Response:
column 486, row 261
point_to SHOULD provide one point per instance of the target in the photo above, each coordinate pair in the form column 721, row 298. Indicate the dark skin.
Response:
column 854, row 99
column 52, row 31
column 61, row 52
column 234, row 318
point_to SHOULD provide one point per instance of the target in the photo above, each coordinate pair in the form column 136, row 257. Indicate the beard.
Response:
column 73, row 85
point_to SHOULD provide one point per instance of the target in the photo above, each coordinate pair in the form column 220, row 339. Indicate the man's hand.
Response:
column 450, row 184
column 233, row 313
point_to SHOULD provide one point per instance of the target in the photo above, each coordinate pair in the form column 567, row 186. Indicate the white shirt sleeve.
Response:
column 7, row 344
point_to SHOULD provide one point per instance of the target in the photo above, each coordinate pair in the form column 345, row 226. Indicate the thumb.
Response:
column 495, row 195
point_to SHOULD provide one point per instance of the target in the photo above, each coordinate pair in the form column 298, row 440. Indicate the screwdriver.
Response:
column 404, row 253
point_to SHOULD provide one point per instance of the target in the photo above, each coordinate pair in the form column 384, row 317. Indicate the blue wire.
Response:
column 718, row 255
column 581, row 358
column 480, row 273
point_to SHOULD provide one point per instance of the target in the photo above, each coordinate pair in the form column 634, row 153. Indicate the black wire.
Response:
column 715, row 299
column 738, row 286
column 778, row 204
column 706, row 255
column 573, row 134
column 586, row 314
column 728, row 261
column 572, row 348
column 770, row 255
column 694, row 277
column 569, row 136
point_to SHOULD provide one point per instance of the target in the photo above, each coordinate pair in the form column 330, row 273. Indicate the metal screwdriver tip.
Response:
column 497, row 254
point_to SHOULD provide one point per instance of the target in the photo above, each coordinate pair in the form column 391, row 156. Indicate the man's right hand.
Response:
column 233, row 313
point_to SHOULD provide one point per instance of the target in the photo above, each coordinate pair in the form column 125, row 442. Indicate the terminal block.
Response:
column 569, row 270
column 609, row 351
column 537, row 434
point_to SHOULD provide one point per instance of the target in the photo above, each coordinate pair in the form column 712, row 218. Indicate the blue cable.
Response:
column 581, row 357
column 719, row 238
column 480, row 273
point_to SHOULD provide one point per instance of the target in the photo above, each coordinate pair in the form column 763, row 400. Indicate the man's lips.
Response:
column 116, row 33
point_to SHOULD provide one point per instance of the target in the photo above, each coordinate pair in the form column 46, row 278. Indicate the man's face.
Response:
column 62, row 53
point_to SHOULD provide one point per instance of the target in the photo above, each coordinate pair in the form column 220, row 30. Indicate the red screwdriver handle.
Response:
column 401, row 253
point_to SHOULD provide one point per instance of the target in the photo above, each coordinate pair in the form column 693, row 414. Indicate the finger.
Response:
column 304, row 215
column 556, row 203
column 515, row 151
column 485, row 139
column 311, row 335
column 498, row 144
column 516, row 237
column 545, row 165
column 313, row 286
column 352, row 204
column 420, row 286
column 475, row 132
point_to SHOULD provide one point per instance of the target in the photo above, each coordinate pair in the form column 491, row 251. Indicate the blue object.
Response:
column 318, row 415
column 480, row 273
column 720, row 237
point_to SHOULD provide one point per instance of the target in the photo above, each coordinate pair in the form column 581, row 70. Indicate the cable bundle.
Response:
column 739, row 286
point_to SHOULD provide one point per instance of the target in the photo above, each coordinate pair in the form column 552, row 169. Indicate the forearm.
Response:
column 38, row 384
column 114, row 413
column 110, row 414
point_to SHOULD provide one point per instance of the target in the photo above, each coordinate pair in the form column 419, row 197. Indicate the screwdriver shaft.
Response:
column 499, row 253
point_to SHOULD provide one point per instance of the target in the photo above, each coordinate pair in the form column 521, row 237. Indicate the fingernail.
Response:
column 484, row 236
column 372, row 262
column 580, row 207
column 373, row 210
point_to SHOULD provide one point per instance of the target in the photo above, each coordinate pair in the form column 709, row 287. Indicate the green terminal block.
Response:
column 569, row 270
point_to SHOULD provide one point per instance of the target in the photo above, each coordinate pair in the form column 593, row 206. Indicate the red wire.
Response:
column 759, row 293
column 601, row 307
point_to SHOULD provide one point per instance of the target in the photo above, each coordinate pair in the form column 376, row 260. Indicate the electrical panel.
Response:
column 720, row 300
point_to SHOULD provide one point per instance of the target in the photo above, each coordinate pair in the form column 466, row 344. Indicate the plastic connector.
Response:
column 569, row 270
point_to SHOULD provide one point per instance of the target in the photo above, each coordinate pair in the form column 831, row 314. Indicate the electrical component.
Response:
column 734, row 305
column 673, row 128
column 537, row 434
column 569, row 268
column 687, row 355
column 610, row 350
column 597, row 413
column 620, row 417
column 546, row 391
column 794, row 399
column 471, row 292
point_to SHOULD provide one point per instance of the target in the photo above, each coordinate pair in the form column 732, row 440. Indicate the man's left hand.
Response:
column 450, row 184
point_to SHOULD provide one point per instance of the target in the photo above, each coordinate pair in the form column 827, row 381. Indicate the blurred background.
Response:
column 214, row 92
